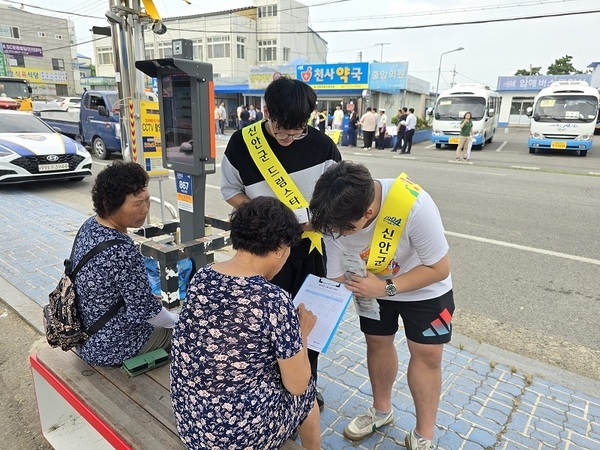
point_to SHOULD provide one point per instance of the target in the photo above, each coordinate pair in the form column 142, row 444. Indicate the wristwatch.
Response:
column 390, row 289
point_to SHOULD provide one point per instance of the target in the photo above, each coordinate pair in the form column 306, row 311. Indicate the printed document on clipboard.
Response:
column 328, row 300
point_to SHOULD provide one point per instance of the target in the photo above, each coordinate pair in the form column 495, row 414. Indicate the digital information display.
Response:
column 178, row 124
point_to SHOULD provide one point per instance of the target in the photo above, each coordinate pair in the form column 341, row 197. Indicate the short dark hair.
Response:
column 263, row 225
column 412, row 110
column 290, row 102
column 341, row 196
column 114, row 183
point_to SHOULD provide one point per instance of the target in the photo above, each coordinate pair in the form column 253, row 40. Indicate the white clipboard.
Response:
column 328, row 300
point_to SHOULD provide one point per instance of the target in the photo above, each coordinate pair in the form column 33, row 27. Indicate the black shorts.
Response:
column 425, row 321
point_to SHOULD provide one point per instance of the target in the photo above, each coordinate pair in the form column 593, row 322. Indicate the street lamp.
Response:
column 437, row 86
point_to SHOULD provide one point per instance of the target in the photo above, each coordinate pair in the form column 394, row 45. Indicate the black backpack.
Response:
column 62, row 322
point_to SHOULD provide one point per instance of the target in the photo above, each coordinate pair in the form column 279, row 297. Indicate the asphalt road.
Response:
column 524, row 248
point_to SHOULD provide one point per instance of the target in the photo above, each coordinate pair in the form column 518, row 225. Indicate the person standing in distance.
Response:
column 409, row 132
column 283, row 157
column 466, row 133
column 368, row 122
column 401, row 128
column 408, row 275
column 338, row 118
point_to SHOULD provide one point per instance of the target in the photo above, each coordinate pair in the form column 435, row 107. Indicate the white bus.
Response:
column 454, row 103
column 563, row 117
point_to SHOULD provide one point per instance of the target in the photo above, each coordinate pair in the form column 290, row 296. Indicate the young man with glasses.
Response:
column 283, row 157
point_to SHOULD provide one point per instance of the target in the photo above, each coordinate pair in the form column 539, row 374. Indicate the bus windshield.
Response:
column 454, row 108
column 14, row 89
column 566, row 108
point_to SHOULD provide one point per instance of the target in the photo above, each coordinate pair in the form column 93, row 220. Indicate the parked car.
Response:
column 66, row 102
column 30, row 151
column 41, row 105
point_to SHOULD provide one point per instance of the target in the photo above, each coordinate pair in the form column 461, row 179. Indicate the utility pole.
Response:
column 382, row 44
column 453, row 76
column 127, row 19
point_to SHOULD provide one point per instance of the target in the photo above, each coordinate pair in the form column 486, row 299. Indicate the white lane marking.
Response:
column 593, row 173
column 501, row 146
column 525, row 167
column 526, row 248
column 212, row 186
column 403, row 157
column 430, row 146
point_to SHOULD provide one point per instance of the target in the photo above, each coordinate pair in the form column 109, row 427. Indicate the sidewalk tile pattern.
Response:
column 483, row 405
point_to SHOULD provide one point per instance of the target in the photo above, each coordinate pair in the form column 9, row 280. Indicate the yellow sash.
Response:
column 276, row 176
column 391, row 222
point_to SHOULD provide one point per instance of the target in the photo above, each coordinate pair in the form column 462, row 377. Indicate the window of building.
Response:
column 11, row 32
column 58, row 64
column 165, row 50
column 61, row 89
column 41, row 34
column 104, row 55
column 267, row 50
column 20, row 60
column 198, row 50
column 218, row 47
column 286, row 53
column 149, row 51
column 241, row 48
column 267, row 11
column 58, row 36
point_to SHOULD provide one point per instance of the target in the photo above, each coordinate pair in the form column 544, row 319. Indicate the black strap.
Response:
column 93, row 252
column 105, row 317
column 89, row 255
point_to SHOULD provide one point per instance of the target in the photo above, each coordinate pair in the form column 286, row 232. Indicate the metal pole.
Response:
column 382, row 44
column 437, row 86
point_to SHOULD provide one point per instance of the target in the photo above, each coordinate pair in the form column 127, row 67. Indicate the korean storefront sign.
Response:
column 388, row 77
column 334, row 76
column 536, row 82
column 260, row 76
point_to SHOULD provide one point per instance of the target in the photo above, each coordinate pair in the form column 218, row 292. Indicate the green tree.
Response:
column 563, row 66
column 92, row 70
column 530, row 71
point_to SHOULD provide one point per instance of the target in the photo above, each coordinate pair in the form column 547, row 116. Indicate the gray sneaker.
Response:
column 414, row 443
column 365, row 424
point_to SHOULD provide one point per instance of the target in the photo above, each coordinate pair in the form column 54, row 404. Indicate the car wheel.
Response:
column 531, row 150
column 99, row 148
column 582, row 152
column 438, row 145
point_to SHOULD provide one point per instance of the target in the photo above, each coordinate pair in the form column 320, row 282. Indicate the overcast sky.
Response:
column 498, row 47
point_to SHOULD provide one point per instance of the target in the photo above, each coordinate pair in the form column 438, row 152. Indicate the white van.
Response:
column 454, row 103
column 563, row 117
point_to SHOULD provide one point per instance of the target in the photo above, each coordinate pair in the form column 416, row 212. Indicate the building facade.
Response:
column 518, row 93
column 41, row 49
column 270, row 32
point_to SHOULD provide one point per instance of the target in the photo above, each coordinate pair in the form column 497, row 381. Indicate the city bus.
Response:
column 451, row 106
column 563, row 117
column 19, row 90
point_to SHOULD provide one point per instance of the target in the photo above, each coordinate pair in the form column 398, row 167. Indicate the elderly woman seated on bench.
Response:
column 240, row 375
column 117, row 274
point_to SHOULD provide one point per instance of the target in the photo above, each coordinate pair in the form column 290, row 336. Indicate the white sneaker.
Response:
column 365, row 424
column 413, row 443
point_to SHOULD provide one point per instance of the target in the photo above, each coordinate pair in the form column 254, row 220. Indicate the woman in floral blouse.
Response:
column 240, row 375
column 121, row 200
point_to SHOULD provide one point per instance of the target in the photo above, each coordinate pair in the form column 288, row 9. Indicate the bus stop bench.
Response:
column 83, row 406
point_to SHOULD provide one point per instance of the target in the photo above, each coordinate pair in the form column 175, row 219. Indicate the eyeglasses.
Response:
column 282, row 136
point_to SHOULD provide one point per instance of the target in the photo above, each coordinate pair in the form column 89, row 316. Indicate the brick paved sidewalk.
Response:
column 484, row 404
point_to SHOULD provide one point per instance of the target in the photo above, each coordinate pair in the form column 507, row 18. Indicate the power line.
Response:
column 413, row 27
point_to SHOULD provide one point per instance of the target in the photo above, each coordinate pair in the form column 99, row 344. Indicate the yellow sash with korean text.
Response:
column 391, row 222
column 277, row 177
